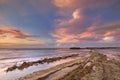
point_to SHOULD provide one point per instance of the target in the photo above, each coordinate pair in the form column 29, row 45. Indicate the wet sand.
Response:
column 94, row 66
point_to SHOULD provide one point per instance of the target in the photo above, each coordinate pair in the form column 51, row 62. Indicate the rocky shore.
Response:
column 94, row 66
column 42, row 61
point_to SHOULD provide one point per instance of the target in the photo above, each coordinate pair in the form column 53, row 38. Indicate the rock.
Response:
column 96, row 67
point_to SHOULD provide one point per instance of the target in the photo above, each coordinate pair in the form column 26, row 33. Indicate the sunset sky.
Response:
column 59, row 23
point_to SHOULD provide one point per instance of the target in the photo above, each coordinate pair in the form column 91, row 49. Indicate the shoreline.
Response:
column 43, row 73
column 42, row 61
column 90, row 67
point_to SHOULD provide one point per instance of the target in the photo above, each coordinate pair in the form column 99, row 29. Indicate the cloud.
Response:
column 63, row 3
column 73, row 27
column 13, row 36
column 70, row 31
column 111, row 29
column 73, row 4
column 92, row 33
column 76, row 14
column 64, row 37
column 65, row 26
column 108, row 39
column 14, row 33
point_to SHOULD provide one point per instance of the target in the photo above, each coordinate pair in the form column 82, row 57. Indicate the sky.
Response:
column 59, row 23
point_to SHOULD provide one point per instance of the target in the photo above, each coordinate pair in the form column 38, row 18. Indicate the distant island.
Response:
column 95, row 48
column 75, row 48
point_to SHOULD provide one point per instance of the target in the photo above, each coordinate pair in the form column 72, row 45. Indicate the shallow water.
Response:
column 12, row 57
column 110, row 53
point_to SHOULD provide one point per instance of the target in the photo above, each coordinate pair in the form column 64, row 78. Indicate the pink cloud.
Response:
column 73, row 4
column 63, row 3
column 67, row 35
column 113, row 32
column 15, row 33
column 71, row 30
column 11, row 36
column 109, row 33
column 63, row 37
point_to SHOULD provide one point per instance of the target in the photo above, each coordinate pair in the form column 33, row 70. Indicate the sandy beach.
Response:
column 94, row 66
